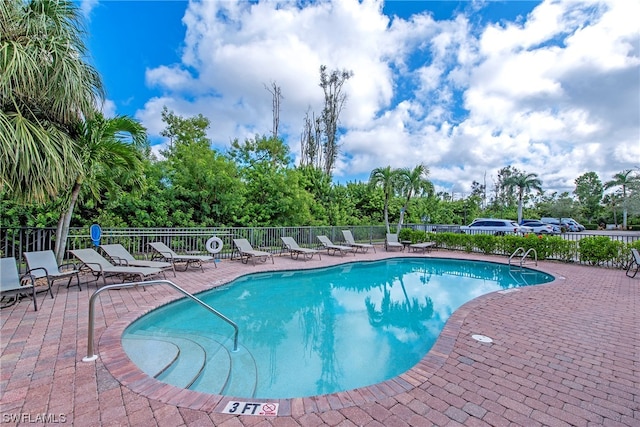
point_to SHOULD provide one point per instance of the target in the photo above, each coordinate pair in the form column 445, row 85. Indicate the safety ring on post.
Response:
column 214, row 245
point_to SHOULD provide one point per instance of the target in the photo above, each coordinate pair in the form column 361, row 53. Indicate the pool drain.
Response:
column 481, row 338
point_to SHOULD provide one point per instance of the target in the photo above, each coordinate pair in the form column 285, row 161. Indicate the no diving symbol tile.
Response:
column 268, row 409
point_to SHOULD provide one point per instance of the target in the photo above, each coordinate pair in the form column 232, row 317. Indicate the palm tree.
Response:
column 624, row 180
column 412, row 181
column 45, row 87
column 110, row 156
column 524, row 183
column 387, row 179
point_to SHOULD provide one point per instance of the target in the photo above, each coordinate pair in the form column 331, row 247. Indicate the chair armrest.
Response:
column 167, row 255
column 119, row 261
column 37, row 276
column 30, row 277
column 68, row 266
column 88, row 264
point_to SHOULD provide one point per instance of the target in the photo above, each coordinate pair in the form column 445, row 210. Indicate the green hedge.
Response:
column 597, row 250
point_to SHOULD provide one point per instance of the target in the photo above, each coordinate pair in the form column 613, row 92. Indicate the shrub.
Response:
column 599, row 250
column 486, row 243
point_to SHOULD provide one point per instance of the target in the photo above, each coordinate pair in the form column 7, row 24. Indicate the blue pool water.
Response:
column 311, row 332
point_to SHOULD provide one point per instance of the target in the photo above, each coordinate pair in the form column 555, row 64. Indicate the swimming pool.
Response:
column 311, row 332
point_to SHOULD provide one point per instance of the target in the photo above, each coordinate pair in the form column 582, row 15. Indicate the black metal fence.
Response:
column 15, row 241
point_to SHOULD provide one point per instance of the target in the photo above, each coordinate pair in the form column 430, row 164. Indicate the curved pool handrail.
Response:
column 90, row 353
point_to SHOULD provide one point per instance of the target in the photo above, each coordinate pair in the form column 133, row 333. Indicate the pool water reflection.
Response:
column 332, row 329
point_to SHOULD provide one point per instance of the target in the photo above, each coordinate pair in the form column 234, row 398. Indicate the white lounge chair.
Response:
column 364, row 247
column 295, row 250
column 99, row 266
column 44, row 264
column 246, row 251
column 391, row 242
column 11, row 283
column 120, row 256
column 332, row 249
column 167, row 254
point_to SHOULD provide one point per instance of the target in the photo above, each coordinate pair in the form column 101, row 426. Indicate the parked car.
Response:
column 567, row 226
column 575, row 223
column 540, row 227
column 498, row 227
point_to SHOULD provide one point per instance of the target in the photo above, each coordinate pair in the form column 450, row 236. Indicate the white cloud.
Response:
column 87, row 6
column 555, row 93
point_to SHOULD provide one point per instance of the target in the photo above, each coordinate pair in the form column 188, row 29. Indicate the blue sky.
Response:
column 466, row 87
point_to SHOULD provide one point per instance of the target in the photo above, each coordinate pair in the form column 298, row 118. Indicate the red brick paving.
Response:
column 564, row 354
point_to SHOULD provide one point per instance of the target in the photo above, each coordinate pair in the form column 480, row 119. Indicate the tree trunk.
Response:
column 386, row 216
column 64, row 223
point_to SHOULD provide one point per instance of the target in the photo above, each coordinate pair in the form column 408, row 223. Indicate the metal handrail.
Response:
column 521, row 249
column 90, row 353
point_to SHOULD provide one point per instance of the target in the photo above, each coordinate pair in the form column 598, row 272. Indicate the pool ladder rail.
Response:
column 91, row 356
column 524, row 257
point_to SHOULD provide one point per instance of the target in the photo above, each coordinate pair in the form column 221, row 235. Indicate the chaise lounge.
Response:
column 167, row 254
column 364, row 247
column 295, row 250
column 99, row 266
column 332, row 249
column 246, row 251
column 635, row 261
column 423, row 246
column 120, row 256
column 391, row 242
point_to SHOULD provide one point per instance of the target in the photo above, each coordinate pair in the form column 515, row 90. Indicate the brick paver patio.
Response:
column 564, row 354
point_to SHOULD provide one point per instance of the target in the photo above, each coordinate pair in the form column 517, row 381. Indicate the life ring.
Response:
column 214, row 245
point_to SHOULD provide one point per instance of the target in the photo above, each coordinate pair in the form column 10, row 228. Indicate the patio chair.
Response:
column 11, row 283
column 295, row 250
column 120, row 256
column 332, row 249
column 391, row 242
column 99, row 266
column 44, row 264
column 364, row 247
column 423, row 246
column 635, row 261
column 246, row 251
column 167, row 254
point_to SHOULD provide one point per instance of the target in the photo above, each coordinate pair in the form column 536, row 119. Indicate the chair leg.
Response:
column 33, row 295
column 49, row 283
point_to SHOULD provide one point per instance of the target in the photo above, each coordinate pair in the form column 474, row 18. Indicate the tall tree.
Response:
column 46, row 86
column 204, row 184
column 503, row 193
column 589, row 190
column 387, row 179
column 311, row 142
column 334, row 101
column 276, row 97
column 412, row 182
column 274, row 194
column 624, row 180
column 110, row 155
column 523, row 183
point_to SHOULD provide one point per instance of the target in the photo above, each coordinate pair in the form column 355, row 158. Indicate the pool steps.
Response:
column 193, row 361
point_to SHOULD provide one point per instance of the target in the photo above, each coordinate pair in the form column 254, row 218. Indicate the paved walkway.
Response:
column 564, row 354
